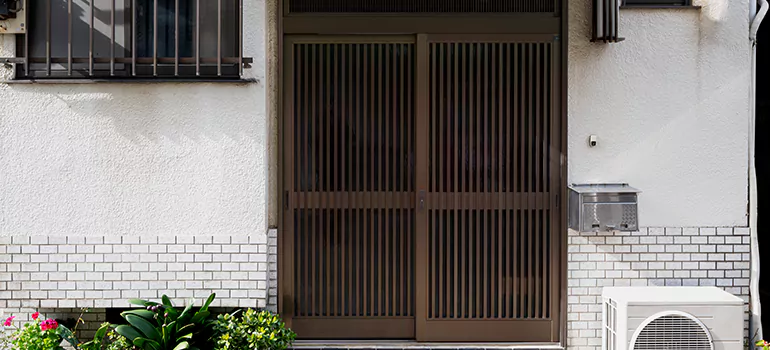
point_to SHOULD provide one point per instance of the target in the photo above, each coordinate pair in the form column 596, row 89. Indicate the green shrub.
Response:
column 107, row 338
column 251, row 330
column 39, row 334
column 160, row 326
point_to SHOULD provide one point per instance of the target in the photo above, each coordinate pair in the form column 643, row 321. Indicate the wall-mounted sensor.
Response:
column 593, row 141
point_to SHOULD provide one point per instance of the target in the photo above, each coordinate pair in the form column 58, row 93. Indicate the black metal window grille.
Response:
column 420, row 6
column 132, row 39
column 657, row 3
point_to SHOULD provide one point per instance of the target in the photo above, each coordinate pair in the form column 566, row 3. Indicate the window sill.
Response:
column 131, row 81
column 660, row 7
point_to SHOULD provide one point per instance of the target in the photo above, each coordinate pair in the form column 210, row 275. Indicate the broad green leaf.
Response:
column 140, row 302
column 102, row 331
column 182, row 346
column 167, row 301
column 186, row 315
column 147, row 328
column 200, row 316
column 146, row 314
column 208, row 301
column 127, row 331
column 186, row 328
column 146, row 344
column 67, row 335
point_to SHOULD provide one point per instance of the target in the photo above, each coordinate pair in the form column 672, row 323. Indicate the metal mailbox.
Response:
column 603, row 207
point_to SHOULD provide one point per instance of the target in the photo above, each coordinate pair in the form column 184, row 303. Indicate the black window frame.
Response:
column 657, row 3
column 69, row 41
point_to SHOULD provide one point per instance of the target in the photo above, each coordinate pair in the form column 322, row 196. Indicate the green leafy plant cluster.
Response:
column 40, row 334
column 106, row 338
column 251, row 330
column 160, row 326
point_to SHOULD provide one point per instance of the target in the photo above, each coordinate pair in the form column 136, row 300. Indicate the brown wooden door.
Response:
column 349, row 220
column 422, row 183
column 489, row 177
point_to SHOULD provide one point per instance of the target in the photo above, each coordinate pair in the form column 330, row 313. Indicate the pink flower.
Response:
column 8, row 321
column 35, row 315
column 49, row 324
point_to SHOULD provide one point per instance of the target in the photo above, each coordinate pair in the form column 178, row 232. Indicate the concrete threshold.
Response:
column 410, row 345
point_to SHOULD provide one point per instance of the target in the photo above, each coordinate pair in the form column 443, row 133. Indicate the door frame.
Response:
column 445, row 23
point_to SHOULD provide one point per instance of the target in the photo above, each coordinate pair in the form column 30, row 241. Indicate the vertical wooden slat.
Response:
column 347, row 177
column 357, row 165
column 456, row 116
column 508, row 120
column 415, row 243
column 529, row 166
column 421, row 95
column 484, row 178
column 442, row 141
column 538, row 160
column 372, row 177
column 306, row 168
column 381, row 144
column 328, row 251
column 394, row 175
column 464, row 166
column 497, row 55
column 515, row 170
column 313, row 233
column 404, row 177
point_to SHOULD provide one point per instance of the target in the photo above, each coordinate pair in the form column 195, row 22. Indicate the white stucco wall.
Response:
column 670, row 108
column 137, row 159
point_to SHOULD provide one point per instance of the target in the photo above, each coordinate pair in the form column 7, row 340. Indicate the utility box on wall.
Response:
column 603, row 207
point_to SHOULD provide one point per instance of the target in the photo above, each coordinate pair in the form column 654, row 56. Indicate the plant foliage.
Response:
column 160, row 326
column 251, row 330
column 106, row 338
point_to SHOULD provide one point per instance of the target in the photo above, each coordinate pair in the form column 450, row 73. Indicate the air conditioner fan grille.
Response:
column 673, row 332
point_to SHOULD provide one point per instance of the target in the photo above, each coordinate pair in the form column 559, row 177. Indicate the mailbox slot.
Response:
column 603, row 207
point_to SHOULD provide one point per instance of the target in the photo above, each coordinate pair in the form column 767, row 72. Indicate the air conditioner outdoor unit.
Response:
column 651, row 318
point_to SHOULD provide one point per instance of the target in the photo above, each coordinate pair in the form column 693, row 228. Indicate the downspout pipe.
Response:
column 755, row 307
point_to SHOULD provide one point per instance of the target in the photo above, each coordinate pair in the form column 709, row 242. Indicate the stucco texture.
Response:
column 137, row 159
column 670, row 107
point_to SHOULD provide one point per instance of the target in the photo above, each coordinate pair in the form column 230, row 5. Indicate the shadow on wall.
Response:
column 146, row 112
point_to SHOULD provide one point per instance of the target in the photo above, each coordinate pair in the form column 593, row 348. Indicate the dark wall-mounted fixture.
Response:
column 606, row 18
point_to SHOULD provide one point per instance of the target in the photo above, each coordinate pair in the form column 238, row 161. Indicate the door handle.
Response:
column 421, row 201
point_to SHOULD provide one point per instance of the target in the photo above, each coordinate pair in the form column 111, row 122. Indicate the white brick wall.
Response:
column 103, row 272
column 650, row 257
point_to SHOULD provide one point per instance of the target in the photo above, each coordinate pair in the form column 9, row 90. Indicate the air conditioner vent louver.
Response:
column 673, row 332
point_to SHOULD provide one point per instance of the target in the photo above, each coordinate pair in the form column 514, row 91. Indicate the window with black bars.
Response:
column 124, row 39
column 656, row 3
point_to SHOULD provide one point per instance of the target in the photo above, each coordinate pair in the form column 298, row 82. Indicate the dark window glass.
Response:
column 57, row 30
column 657, row 2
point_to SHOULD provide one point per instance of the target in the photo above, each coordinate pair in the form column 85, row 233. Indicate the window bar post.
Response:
column 198, row 37
column 176, row 38
column 26, row 44
column 91, row 40
column 219, row 38
column 240, row 38
column 112, row 38
column 48, row 39
column 155, row 39
column 69, row 37
column 133, row 37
